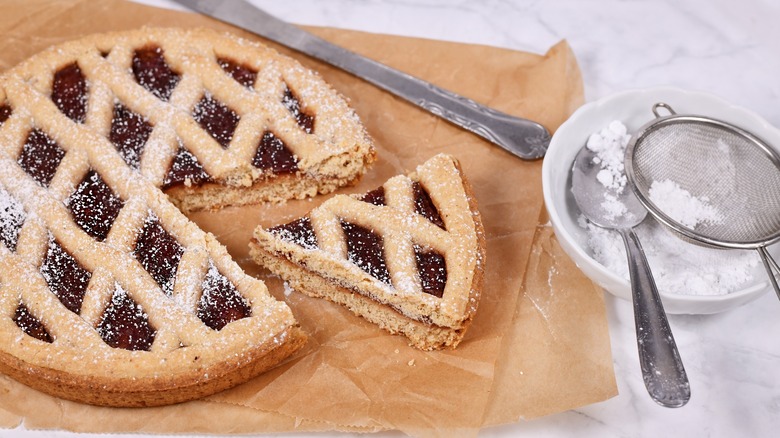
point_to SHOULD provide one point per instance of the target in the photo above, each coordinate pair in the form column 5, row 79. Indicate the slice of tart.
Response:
column 408, row 256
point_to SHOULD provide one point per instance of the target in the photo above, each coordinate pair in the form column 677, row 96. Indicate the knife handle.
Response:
column 523, row 138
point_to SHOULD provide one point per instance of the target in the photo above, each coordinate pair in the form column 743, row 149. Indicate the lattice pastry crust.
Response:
column 108, row 293
column 408, row 256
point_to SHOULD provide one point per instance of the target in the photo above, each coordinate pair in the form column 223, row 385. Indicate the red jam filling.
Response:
column 241, row 73
column 69, row 92
column 185, row 167
column 299, row 232
column 432, row 269
column 376, row 196
column 216, row 118
column 220, row 303
column 40, row 157
column 365, row 248
column 153, row 73
column 129, row 133
column 424, row 205
column 67, row 279
column 5, row 113
column 159, row 253
column 94, row 206
column 125, row 324
column 30, row 324
column 293, row 104
column 272, row 154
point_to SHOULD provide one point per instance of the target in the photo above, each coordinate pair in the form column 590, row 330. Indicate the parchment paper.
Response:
column 539, row 343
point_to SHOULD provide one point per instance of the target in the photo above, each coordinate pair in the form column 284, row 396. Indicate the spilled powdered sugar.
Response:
column 678, row 267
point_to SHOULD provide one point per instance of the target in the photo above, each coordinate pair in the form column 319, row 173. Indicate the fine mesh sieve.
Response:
column 735, row 171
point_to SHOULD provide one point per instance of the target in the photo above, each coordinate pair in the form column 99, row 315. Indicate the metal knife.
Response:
column 523, row 138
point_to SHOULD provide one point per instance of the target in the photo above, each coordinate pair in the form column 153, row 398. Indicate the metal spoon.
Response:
column 662, row 368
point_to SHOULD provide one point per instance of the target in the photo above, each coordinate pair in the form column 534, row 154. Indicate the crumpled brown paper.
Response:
column 539, row 343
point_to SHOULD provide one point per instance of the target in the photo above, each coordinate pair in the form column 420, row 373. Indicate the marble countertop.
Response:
column 727, row 48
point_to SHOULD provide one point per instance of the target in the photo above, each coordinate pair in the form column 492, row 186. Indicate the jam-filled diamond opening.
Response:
column 125, row 325
column 159, row 253
column 375, row 197
column 5, row 113
column 40, row 157
column 185, row 169
column 65, row 276
column 293, row 104
column 31, row 325
column 432, row 268
column 299, row 232
column 129, row 134
column 12, row 217
column 240, row 72
column 94, row 206
column 69, row 92
column 273, row 155
column 216, row 118
column 152, row 72
column 220, row 304
column 365, row 248
column 424, row 205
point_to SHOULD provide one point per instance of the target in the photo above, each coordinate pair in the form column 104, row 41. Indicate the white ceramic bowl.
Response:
column 633, row 108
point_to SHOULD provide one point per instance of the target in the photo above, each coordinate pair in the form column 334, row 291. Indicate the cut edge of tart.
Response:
column 408, row 256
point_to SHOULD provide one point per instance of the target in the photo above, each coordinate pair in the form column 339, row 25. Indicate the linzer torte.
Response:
column 108, row 293
column 407, row 256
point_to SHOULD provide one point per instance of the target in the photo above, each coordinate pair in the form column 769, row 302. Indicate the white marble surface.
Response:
column 728, row 48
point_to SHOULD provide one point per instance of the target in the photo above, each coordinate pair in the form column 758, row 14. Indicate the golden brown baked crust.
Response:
column 108, row 293
column 321, row 263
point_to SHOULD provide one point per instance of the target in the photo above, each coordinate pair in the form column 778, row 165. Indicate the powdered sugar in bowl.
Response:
column 698, row 280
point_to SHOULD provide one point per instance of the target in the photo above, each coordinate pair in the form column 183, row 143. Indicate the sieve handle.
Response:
column 769, row 265
column 662, row 368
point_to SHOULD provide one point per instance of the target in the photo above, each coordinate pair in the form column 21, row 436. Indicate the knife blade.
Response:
column 521, row 137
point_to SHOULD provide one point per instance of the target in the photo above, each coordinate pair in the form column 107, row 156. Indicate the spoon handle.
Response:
column 662, row 368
